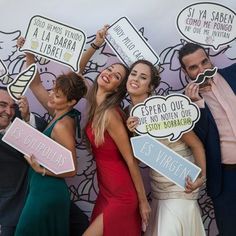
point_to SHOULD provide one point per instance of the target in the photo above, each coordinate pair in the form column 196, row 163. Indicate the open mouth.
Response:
column 105, row 78
column 134, row 85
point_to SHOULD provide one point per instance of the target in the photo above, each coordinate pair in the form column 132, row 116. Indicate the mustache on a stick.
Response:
column 208, row 73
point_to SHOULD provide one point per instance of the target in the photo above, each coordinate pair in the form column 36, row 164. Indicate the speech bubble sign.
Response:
column 128, row 44
column 209, row 24
column 3, row 69
column 164, row 160
column 19, row 86
column 55, row 41
column 47, row 152
column 166, row 117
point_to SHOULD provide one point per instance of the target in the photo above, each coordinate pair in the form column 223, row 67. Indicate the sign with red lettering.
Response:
column 209, row 24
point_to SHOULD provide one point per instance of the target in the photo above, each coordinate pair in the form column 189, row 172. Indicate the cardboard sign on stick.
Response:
column 19, row 85
column 166, row 117
column 47, row 152
column 54, row 40
column 128, row 44
column 164, row 160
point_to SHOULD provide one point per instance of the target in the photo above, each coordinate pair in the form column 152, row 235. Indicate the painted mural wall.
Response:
column 156, row 22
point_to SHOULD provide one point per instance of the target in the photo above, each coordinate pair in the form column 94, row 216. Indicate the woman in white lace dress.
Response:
column 174, row 212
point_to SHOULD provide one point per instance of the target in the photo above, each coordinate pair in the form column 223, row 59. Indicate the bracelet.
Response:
column 94, row 46
column 44, row 172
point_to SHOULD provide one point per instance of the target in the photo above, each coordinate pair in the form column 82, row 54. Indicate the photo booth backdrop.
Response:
column 155, row 20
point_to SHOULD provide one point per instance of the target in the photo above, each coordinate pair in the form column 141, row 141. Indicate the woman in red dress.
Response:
column 121, row 206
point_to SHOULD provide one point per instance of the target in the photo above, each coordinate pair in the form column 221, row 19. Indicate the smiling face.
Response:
column 196, row 63
column 139, row 80
column 58, row 100
column 7, row 109
column 111, row 77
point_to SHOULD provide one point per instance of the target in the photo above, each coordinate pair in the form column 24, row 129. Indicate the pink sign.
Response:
column 47, row 152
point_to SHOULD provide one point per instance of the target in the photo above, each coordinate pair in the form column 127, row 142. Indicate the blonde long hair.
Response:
column 97, row 114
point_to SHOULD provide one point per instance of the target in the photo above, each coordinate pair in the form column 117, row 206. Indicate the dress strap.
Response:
column 73, row 114
column 77, row 116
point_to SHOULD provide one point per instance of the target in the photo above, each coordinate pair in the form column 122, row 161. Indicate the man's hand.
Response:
column 24, row 108
column 192, row 91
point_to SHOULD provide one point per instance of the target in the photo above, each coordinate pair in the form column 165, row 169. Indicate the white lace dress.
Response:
column 174, row 212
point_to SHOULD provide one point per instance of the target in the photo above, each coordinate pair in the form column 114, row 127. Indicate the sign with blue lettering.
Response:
column 164, row 160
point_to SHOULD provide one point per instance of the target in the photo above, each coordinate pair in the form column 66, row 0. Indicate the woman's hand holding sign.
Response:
column 132, row 123
column 35, row 165
column 100, row 36
column 191, row 186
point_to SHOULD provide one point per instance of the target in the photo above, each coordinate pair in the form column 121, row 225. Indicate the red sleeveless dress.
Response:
column 117, row 198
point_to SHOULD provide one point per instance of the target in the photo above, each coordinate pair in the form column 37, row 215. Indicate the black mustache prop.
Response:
column 208, row 73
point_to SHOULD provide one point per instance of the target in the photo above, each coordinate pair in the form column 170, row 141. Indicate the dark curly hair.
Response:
column 187, row 49
column 155, row 75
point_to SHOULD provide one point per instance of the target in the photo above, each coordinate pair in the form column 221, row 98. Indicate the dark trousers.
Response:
column 7, row 231
column 78, row 221
column 225, row 204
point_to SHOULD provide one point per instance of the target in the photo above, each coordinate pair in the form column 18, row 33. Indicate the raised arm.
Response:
column 117, row 130
column 99, row 40
column 36, row 85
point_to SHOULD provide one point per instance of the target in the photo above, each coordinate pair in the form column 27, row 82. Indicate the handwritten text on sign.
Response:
column 128, row 43
column 165, row 161
column 166, row 117
column 55, row 41
column 47, row 152
column 210, row 24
